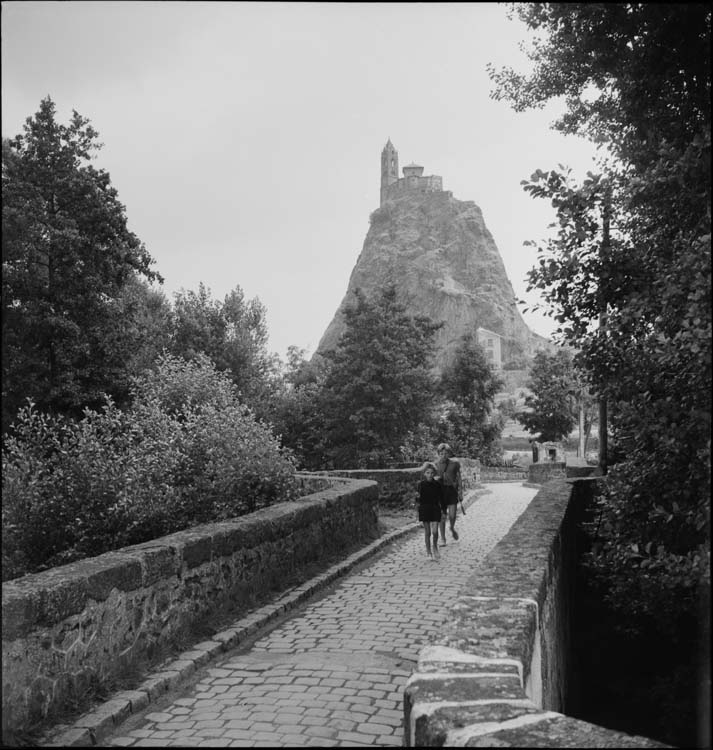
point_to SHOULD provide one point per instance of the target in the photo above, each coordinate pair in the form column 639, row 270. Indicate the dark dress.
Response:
column 429, row 501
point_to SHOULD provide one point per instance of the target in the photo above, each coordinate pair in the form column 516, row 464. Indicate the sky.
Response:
column 245, row 139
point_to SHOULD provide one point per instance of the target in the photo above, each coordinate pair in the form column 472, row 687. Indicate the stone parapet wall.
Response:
column 471, row 471
column 499, row 674
column 580, row 471
column 399, row 487
column 396, row 487
column 545, row 471
column 503, row 474
column 86, row 622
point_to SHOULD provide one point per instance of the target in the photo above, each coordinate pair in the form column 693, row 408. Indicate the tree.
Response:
column 380, row 384
column 141, row 333
column 632, row 251
column 67, row 256
column 469, row 385
column 233, row 333
column 557, row 399
column 297, row 416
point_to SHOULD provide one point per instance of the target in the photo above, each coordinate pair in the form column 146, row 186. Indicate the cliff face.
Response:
column 445, row 264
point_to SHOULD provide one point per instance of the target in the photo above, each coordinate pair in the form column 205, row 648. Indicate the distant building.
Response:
column 413, row 180
column 548, row 451
column 490, row 342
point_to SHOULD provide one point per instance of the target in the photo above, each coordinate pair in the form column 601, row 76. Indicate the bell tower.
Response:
column 389, row 168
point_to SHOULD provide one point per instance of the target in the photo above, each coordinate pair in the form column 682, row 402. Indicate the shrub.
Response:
column 516, row 363
column 187, row 452
column 381, row 215
column 418, row 445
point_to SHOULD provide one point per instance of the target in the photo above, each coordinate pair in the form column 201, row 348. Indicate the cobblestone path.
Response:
column 332, row 672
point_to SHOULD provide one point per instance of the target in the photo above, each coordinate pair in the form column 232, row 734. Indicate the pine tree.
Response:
column 381, row 384
column 67, row 256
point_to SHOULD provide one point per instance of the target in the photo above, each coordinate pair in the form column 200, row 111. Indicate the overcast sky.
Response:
column 245, row 139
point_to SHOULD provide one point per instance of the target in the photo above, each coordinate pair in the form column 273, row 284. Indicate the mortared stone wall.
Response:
column 87, row 621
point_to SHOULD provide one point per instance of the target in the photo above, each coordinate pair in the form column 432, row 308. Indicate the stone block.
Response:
column 197, row 549
column 155, row 687
column 158, row 561
column 230, row 539
column 202, row 653
column 21, row 609
column 184, row 667
column 430, row 728
column 74, row 737
column 99, row 723
column 137, row 699
column 463, row 688
column 492, row 629
column 63, row 597
column 580, row 471
column 551, row 730
column 111, row 571
column 170, row 676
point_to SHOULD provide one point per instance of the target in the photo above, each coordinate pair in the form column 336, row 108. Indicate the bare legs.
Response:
column 452, row 514
column 430, row 529
column 427, row 535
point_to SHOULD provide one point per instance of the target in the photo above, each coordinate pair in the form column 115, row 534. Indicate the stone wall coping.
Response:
column 40, row 600
column 344, row 473
column 464, row 461
column 475, row 685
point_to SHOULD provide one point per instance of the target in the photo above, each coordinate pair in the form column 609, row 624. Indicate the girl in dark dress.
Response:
column 430, row 494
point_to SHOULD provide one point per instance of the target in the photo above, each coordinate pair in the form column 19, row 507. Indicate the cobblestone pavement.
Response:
column 332, row 672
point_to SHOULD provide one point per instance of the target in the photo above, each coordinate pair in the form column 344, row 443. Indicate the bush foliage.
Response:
column 186, row 452
column 627, row 277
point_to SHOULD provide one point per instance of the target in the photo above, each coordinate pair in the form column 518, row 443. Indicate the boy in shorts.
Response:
column 448, row 474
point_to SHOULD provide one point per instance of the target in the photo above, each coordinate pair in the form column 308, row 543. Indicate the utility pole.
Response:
column 603, row 250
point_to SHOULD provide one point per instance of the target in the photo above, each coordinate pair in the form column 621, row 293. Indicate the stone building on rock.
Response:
column 413, row 180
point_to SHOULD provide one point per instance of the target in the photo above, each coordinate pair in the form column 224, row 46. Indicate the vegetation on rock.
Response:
column 446, row 265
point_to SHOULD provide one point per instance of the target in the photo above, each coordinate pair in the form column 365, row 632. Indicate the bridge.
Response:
column 387, row 648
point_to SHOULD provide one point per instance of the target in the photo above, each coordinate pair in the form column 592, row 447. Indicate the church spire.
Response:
column 389, row 167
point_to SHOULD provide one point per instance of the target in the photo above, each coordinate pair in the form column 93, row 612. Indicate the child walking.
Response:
column 449, row 477
column 430, row 494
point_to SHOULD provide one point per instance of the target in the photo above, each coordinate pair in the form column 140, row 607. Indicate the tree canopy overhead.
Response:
column 630, row 74
column 627, row 277
column 67, row 256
